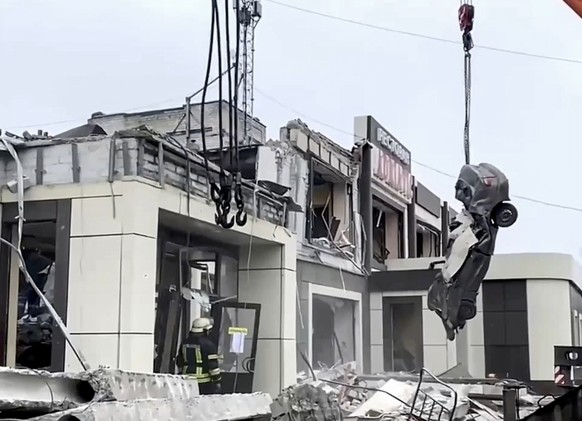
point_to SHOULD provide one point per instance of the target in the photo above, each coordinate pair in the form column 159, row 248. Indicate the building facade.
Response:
column 123, row 230
column 136, row 258
column 528, row 304
column 332, row 318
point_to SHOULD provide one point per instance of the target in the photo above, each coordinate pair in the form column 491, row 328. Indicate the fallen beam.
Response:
column 39, row 391
column 32, row 392
column 121, row 385
column 200, row 408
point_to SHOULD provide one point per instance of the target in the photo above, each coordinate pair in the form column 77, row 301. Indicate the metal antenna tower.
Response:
column 251, row 12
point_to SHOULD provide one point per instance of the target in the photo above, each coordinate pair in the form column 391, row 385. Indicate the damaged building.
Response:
column 332, row 267
column 108, row 217
column 122, row 239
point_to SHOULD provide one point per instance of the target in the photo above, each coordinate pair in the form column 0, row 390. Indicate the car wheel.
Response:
column 504, row 215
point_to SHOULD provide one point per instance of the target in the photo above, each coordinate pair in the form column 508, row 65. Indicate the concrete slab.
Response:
column 41, row 391
column 200, row 408
column 121, row 385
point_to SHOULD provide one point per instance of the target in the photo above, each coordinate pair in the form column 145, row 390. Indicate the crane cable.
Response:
column 466, row 17
column 241, row 216
column 222, row 192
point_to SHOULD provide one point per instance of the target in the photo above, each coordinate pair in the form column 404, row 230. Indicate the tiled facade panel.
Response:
column 506, row 329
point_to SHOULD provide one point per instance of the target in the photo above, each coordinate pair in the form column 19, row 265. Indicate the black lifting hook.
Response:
column 223, row 221
column 241, row 215
column 224, row 206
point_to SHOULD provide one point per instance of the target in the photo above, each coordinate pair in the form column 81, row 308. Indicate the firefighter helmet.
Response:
column 201, row 324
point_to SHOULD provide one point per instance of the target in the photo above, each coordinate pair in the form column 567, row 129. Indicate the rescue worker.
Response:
column 198, row 357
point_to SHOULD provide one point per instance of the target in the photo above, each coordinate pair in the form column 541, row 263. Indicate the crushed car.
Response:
column 484, row 192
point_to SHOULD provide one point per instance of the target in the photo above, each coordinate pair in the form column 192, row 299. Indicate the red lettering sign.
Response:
column 387, row 169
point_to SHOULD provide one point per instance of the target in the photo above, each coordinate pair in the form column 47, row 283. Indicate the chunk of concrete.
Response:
column 199, row 408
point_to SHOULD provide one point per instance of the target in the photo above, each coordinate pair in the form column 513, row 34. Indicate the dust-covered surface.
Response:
column 199, row 408
column 106, row 394
column 324, row 394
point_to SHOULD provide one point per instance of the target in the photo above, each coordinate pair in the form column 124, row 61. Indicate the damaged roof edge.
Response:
column 299, row 124
column 98, row 115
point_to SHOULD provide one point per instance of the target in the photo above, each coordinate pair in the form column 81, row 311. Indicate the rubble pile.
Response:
column 310, row 401
column 397, row 396
column 107, row 395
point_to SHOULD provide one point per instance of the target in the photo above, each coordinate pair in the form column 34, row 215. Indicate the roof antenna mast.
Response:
column 251, row 12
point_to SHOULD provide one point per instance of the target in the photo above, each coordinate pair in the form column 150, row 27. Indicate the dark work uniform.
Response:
column 198, row 358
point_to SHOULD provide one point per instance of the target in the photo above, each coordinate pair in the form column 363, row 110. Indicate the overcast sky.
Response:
column 65, row 59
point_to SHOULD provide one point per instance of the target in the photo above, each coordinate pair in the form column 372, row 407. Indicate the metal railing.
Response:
column 424, row 406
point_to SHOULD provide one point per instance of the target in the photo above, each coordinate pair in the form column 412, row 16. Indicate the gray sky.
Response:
column 64, row 59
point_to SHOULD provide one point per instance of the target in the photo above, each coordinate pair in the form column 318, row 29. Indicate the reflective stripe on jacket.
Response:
column 198, row 358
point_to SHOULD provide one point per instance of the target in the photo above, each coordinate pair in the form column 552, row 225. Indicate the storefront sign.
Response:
column 392, row 145
column 388, row 169
column 391, row 161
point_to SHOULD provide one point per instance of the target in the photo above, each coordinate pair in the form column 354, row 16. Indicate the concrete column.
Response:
column 268, row 277
column 411, row 221
column 376, row 333
column 365, row 187
column 444, row 227
column 112, row 268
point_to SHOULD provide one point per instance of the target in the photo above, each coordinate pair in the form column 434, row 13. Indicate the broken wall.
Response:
column 296, row 146
column 172, row 120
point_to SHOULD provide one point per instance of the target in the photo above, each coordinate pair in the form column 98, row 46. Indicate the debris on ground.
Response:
column 106, row 394
column 399, row 396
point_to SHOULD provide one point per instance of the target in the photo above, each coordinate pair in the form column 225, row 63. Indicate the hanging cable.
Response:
column 225, row 197
column 241, row 216
column 214, row 188
column 230, row 87
column 466, row 17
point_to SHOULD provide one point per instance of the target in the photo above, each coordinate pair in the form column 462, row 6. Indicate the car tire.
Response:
column 504, row 215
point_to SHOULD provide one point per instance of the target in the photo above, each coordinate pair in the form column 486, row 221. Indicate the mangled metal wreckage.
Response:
column 484, row 192
column 341, row 394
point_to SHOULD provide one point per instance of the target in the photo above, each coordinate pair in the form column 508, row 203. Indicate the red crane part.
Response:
column 466, row 16
column 575, row 5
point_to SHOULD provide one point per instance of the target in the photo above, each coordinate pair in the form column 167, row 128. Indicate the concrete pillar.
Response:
column 112, row 268
column 365, row 187
column 411, row 221
column 444, row 226
column 268, row 277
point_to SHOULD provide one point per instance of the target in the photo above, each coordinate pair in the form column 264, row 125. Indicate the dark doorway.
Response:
column 30, row 336
column 193, row 273
column 402, row 329
column 323, row 329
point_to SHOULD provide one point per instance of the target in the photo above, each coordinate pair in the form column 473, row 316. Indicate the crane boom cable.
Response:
column 230, row 85
column 466, row 140
column 466, row 16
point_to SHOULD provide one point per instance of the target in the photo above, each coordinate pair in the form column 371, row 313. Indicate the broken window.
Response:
column 34, row 331
column 329, row 207
column 380, row 251
column 333, row 338
column 428, row 241
column 388, row 235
